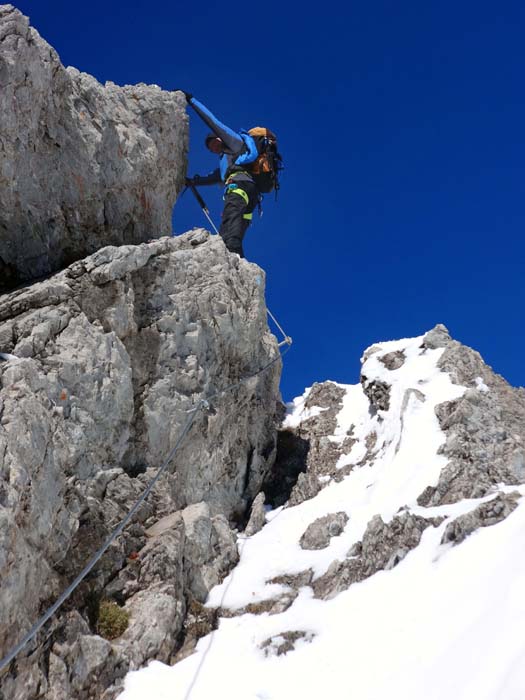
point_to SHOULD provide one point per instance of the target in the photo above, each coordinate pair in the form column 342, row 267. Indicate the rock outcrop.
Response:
column 484, row 447
column 485, row 427
column 383, row 546
column 112, row 355
column 319, row 533
column 81, row 165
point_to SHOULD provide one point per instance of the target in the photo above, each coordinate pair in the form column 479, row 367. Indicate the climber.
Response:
column 249, row 165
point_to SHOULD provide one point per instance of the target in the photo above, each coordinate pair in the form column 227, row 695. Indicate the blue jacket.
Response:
column 240, row 150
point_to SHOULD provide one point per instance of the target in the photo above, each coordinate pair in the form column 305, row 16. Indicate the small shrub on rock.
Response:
column 112, row 620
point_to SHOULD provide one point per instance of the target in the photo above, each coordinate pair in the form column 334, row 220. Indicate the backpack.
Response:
column 265, row 168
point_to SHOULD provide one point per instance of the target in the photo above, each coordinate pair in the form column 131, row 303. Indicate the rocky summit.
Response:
column 82, row 165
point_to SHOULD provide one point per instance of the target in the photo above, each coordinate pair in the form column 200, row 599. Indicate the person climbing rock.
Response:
column 249, row 165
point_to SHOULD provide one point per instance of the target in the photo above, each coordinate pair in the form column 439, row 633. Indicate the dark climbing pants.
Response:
column 240, row 199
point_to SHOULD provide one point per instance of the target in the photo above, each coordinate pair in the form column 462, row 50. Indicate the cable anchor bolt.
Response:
column 286, row 341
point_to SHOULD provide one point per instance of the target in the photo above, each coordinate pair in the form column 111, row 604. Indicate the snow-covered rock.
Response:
column 418, row 590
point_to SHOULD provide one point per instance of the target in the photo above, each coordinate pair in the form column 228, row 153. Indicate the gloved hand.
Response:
column 187, row 95
column 192, row 181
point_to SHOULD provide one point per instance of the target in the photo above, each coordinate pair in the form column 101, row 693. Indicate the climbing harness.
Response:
column 233, row 188
column 203, row 404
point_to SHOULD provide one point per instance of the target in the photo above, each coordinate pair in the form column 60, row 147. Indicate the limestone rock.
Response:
column 438, row 337
column 319, row 533
column 393, row 360
column 280, row 644
column 257, row 516
column 156, row 616
column 383, row 546
column 305, row 453
column 490, row 513
column 91, row 659
column 307, row 486
column 114, row 353
column 294, row 581
column 272, row 606
column 378, row 393
column 485, row 428
column 210, row 550
column 327, row 396
column 81, row 165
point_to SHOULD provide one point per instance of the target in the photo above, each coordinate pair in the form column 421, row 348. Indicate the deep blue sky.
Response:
column 402, row 125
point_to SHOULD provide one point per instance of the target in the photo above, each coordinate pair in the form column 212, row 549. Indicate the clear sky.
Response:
column 402, row 129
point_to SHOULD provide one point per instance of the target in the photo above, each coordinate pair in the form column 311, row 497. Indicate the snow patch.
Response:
column 480, row 384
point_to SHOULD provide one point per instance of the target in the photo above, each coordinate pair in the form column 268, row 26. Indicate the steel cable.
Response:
column 202, row 404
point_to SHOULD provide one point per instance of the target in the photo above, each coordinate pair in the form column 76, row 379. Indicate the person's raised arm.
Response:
column 233, row 142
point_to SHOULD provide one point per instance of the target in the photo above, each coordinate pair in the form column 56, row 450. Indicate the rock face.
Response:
column 485, row 427
column 383, row 546
column 113, row 353
column 305, row 453
column 81, row 165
